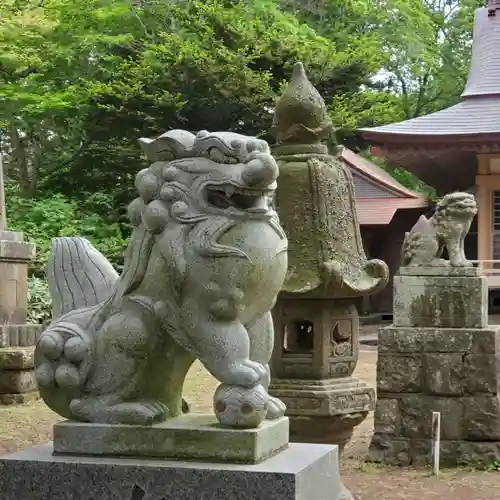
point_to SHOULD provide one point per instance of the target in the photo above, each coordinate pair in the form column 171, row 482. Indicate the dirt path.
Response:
column 23, row 426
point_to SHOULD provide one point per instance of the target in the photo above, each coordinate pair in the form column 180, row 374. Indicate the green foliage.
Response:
column 82, row 80
column 494, row 466
column 407, row 179
column 429, row 52
column 42, row 219
column 39, row 301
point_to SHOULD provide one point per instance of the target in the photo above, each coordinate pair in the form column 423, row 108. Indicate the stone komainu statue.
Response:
column 447, row 228
column 205, row 262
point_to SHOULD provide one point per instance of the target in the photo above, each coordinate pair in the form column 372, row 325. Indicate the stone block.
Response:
column 302, row 472
column 481, row 373
column 387, row 418
column 399, row 340
column 19, row 335
column 17, row 358
column 324, row 411
column 391, row 450
column 437, row 301
column 388, row 450
column 481, row 454
column 439, row 271
column 195, row 437
column 19, row 399
column 482, row 418
column 327, row 397
column 443, row 374
column 17, row 251
column 413, row 340
column 11, row 235
column 447, row 340
column 452, row 417
column 421, row 452
column 399, row 373
column 336, row 430
column 486, row 340
column 412, row 415
column 17, row 382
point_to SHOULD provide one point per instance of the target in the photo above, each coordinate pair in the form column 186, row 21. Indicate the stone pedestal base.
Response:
column 191, row 437
column 17, row 374
column 446, row 297
column 20, row 336
column 305, row 472
column 15, row 255
column 324, row 411
column 452, row 371
column 336, row 430
column 19, row 399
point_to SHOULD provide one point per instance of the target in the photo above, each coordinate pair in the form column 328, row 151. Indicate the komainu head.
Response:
column 193, row 176
column 456, row 206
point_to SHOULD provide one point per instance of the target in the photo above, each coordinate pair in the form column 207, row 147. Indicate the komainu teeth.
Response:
column 230, row 190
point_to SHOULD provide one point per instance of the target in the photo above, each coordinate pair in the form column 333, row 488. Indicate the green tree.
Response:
column 82, row 80
column 194, row 65
column 430, row 54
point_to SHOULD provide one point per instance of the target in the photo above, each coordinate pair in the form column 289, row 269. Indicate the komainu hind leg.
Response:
column 117, row 390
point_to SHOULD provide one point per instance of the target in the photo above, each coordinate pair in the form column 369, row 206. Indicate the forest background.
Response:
column 82, row 80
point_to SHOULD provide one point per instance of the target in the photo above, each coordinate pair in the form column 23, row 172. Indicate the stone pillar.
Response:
column 17, row 339
column 439, row 355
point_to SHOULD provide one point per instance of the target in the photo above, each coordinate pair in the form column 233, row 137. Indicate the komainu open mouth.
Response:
column 249, row 200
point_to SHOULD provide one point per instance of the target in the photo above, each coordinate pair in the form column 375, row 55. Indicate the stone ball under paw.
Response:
column 240, row 407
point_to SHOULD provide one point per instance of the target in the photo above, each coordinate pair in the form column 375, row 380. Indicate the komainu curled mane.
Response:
column 204, row 264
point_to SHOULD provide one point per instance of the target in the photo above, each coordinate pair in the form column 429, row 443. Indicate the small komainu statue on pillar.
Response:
column 447, row 228
column 205, row 262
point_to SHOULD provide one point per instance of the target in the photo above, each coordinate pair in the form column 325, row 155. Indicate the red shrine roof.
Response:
column 378, row 195
column 448, row 140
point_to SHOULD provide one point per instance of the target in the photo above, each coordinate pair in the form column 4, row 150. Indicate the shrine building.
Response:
column 458, row 148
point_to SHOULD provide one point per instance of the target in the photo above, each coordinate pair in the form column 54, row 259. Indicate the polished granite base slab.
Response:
column 301, row 472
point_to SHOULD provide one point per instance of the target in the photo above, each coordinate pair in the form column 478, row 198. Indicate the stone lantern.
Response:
column 315, row 318
column 17, row 338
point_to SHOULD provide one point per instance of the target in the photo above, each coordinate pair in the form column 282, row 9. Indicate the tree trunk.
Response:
column 26, row 157
column 20, row 161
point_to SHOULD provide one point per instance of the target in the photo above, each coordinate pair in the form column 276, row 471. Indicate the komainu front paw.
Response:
column 244, row 373
column 275, row 408
column 460, row 263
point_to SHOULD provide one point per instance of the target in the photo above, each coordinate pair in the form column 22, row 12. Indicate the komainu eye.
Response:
column 216, row 155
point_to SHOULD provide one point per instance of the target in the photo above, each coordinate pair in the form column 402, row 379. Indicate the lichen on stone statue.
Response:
column 204, row 264
column 447, row 228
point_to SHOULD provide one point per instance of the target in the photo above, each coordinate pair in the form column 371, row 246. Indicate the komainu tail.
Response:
column 78, row 275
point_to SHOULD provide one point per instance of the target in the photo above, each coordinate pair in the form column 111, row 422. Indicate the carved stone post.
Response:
column 17, row 339
column 315, row 318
